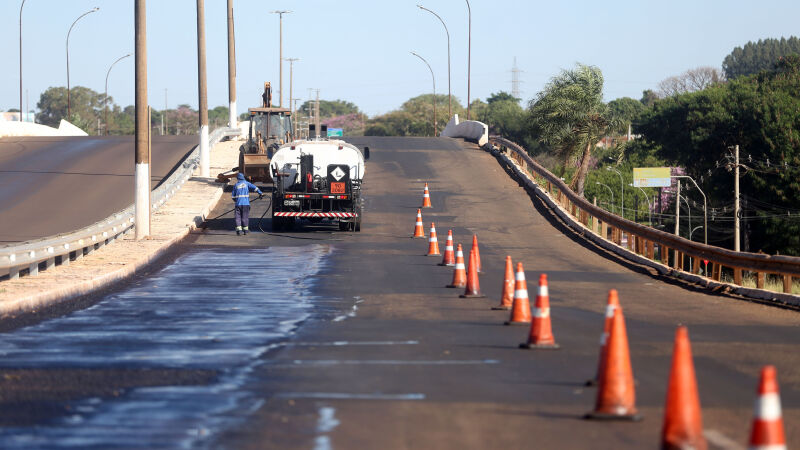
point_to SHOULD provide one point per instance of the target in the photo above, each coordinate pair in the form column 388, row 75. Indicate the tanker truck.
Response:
column 318, row 180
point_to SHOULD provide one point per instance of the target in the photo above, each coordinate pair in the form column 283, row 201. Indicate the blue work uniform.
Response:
column 241, row 195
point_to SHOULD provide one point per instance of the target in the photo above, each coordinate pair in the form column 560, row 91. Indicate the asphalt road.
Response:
column 387, row 357
column 411, row 365
column 51, row 185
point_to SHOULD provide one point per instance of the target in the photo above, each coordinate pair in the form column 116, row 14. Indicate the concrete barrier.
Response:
column 471, row 129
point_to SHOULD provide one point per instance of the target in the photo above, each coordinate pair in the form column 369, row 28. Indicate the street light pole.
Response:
column 469, row 56
column 622, row 187
column 142, row 172
column 232, row 119
column 105, row 98
column 609, row 190
column 434, row 91
column 649, row 212
column 20, row 60
column 69, row 103
column 202, row 89
column 449, row 92
column 705, row 205
column 280, row 55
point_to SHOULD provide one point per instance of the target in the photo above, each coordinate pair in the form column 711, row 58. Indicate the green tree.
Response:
column 86, row 107
column 757, row 56
column 414, row 118
column 761, row 114
column 627, row 111
column 649, row 98
column 570, row 116
column 330, row 108
column 505, row 116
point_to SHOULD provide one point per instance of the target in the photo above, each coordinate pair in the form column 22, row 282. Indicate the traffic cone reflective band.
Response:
column 449, row 258
column 613, row 303
column 507, row 297
column 521, row 306
column 419, row 232
column 767, row 432
column 616, row 395
column 433, row 242
column 477, row 252
column 459, row 272
column 473, row 288
column 683, row 424
column 541, row 335
column 426, row 198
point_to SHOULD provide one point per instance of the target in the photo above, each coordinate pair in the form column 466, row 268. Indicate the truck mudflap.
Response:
column 330, row 215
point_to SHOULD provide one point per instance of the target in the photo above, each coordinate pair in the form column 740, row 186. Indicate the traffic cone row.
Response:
column 616, row 396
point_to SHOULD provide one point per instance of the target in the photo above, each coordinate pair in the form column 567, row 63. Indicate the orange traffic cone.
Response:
column 449, row 258
column 419, row 232
column 426, row 198
column 616, row 396
column 473, row 288
column 683, row 425
column 507, row 297
column 433, row 242
column 521, row 307
column 477, row 252
column 541, row 335
column 767, row 431
column 613, row 303
column 459, row 273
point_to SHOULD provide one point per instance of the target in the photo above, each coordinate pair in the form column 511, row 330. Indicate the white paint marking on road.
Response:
column 327, row 420
column 720, row 441
column 391, row 362
column 345, row 343
column 350, row 396
column 322, row 443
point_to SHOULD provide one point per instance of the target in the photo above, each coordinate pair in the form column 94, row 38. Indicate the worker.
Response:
column 241, row 195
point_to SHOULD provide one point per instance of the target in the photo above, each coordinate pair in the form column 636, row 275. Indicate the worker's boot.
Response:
column 245, row 231
column 238, row 231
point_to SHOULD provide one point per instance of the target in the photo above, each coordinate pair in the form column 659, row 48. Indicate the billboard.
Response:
column 335, row 132
column 651, row 177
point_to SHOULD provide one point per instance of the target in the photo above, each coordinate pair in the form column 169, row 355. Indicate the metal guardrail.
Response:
column 655, row 245
column 47, row 252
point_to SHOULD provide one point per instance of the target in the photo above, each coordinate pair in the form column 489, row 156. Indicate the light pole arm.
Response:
column 705, row 205
column 449, row 92
column 69, row 106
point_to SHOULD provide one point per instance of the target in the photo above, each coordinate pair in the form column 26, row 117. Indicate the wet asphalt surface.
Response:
column 379, row 354
column 49, row 185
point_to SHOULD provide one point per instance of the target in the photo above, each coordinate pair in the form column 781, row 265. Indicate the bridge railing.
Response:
column 668, row 250
column 31, row 256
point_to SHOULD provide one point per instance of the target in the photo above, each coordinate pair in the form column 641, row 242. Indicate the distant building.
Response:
column 14, row 117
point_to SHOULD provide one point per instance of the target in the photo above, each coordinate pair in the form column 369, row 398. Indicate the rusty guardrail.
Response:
column 42, row 254
column 667, row 249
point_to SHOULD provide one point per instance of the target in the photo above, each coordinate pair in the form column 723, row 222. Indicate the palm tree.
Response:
column 569, row 115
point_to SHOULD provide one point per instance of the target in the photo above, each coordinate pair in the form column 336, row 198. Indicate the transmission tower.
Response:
column 515, row 82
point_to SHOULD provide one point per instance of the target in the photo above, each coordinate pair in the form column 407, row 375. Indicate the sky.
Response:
column 359, row 50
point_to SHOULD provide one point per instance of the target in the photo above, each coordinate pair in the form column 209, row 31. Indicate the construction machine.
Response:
column 269, row 129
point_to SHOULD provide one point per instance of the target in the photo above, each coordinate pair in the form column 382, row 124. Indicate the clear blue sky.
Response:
column 358, row 50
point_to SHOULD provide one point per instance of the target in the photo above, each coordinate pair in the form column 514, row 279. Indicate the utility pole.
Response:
column 280, row 54
column 469, row 55
column 20, row 59
column 202, row 92
column 291, row 76
column 677, row 215
column 232, row 119
column 316, row 114
column 736, row 206
column 166, row 118
column 142, row 171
